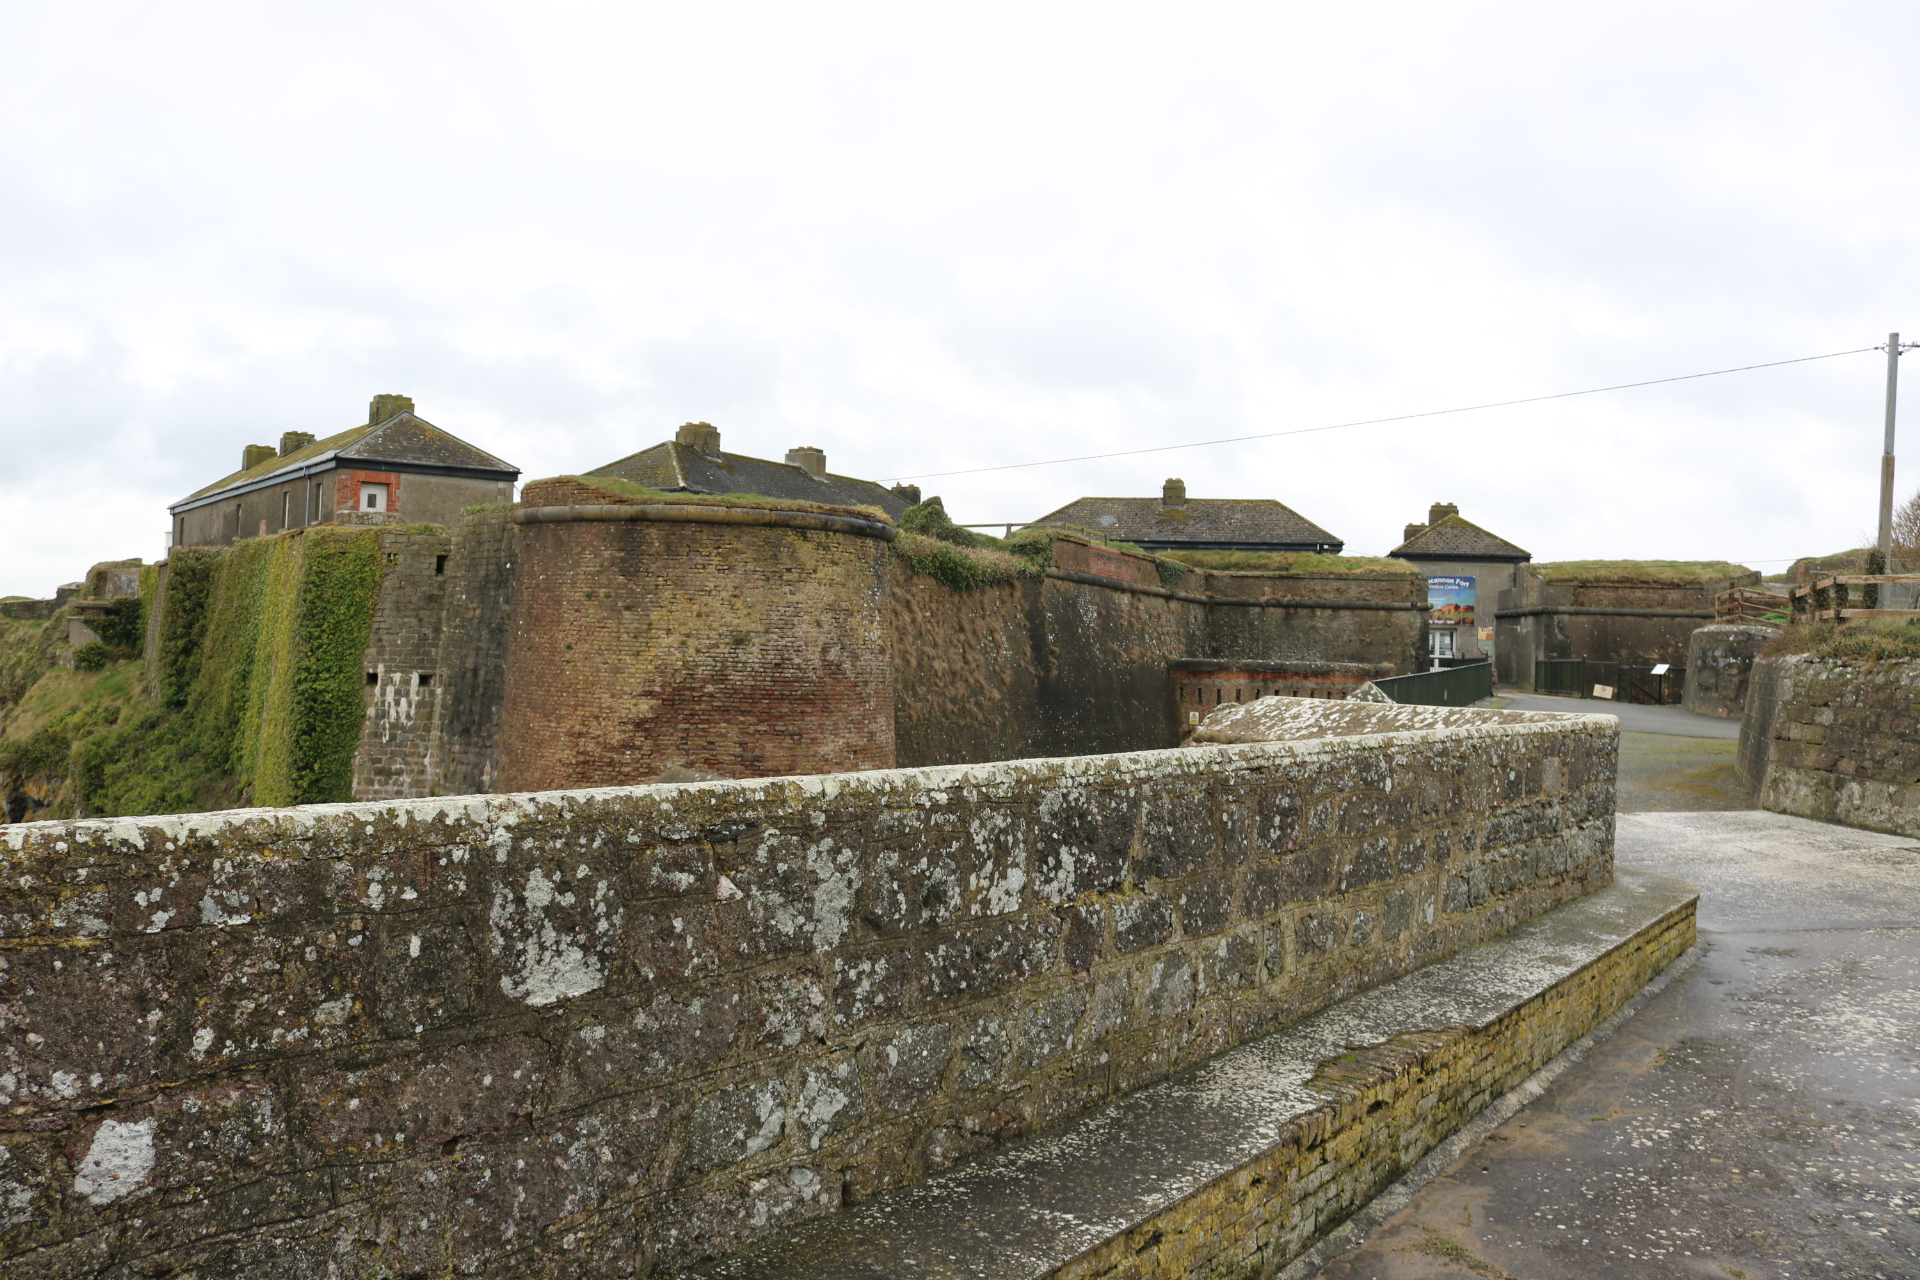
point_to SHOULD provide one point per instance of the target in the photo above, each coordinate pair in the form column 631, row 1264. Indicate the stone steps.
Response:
column 1236, row 1166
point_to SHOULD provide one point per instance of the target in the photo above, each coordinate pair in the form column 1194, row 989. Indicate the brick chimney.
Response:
column 908, row 493
column 1173, row 493
column 1412, row 529
column 1440, row 511
column 809, row 459
column 384, row 407
column 294, row 441
column 703, row 436
column 255, row 454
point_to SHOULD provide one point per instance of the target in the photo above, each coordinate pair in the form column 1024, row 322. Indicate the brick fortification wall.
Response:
column 1077, row 664
column 614, row 1032
column 644, row 638
column 1835, row 741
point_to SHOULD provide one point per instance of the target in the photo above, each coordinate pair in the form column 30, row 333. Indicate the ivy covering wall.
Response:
column 250, row 694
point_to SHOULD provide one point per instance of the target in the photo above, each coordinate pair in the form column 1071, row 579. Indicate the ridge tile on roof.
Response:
column 1458, row 536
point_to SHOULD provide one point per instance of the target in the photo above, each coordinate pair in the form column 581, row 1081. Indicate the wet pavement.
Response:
column 1670, row 760
column 1758, row 1117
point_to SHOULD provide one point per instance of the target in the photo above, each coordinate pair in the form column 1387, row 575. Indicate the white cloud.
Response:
column 932, row 239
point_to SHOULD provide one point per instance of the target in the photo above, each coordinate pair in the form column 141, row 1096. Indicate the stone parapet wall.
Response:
column 1236, row 1167
column 1719, row 664
column 1835, row 741
column 615, row 1032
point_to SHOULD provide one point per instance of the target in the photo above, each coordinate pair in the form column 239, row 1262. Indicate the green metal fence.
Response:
column 1448, row 687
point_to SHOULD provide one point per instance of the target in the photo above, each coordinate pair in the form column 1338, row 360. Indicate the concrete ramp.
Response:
column 1236, row 1166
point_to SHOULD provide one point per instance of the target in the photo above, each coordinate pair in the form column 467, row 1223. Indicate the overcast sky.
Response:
column 935, row 238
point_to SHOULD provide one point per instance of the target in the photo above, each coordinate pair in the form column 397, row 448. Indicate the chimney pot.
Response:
column 384, row 407
column 909, row 493
column 1173, row 493
column 809, row 459
column 1440, row 511
column 703, row 436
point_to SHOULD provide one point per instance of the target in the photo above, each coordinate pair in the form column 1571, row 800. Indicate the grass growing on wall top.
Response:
column 1279, row 562
column 1645, row 573
column 639, row 493
column 1874, row 640
column 961, row 568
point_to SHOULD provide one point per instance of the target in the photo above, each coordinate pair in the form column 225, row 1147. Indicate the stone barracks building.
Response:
column 398, row 464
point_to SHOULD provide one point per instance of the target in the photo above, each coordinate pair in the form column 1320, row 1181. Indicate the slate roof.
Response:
column 1456, row 538
column 405, row 438
column 1238, row 524
column 681, row 468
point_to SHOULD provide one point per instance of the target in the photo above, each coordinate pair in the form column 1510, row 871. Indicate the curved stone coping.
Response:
column 1338, row 734
column 1260, row 602
column 698, row 513
column 1030, row 1210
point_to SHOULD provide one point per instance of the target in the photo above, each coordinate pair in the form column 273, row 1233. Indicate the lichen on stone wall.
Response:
column 642, row 1026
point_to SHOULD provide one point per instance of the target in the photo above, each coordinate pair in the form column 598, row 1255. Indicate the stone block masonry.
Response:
column 619, row 1032
column 1235, row 1167
column 1835, row 741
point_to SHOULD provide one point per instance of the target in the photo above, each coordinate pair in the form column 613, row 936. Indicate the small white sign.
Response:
column 1660, row 669
column 1603, row 691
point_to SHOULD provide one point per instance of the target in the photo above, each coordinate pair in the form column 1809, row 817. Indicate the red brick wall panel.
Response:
column 744, row 651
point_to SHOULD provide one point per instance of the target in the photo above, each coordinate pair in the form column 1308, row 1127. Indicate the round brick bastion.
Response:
column 731, row 640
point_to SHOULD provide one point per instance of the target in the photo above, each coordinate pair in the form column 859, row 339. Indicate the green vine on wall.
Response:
column 256, row 694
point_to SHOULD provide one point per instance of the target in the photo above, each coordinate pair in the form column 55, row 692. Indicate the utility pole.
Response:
column 1886, row 456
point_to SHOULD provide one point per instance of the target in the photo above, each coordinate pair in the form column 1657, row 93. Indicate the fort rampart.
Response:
column 736, row 641
column 615, row 1032
column 1077, row 662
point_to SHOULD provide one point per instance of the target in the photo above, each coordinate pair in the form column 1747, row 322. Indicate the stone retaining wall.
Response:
column 1835, row 741
column 616, row 1032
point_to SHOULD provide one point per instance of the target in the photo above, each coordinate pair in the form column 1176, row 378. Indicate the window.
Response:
column 1440, row 643
column 286, row 510
column 373, row 497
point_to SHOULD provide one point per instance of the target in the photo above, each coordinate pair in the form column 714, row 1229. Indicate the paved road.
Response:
column 1758, row 1118
column 1634, row 718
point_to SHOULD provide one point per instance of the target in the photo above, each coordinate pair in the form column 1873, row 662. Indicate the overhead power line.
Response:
column 1374, row 422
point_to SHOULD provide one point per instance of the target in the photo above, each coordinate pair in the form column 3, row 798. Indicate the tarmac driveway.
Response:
column 1759, row 1117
